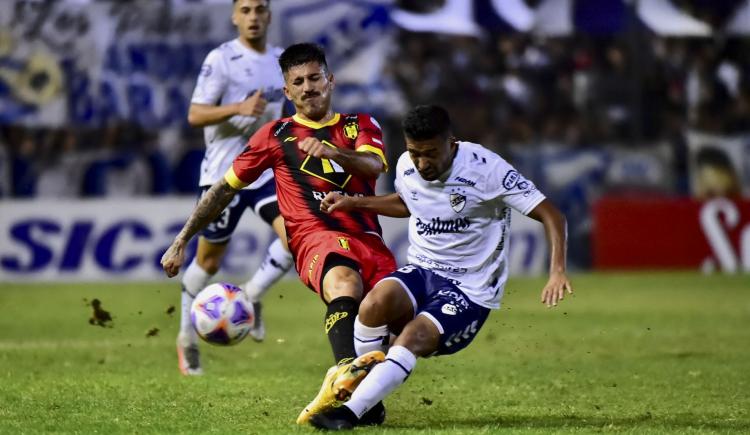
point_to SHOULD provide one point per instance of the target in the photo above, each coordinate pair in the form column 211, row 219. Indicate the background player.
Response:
column 340, row 256
column 239, row 89
column 457, row 195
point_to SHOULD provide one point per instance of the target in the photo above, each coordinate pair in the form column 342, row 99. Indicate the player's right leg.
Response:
column 197, row 275
column 277, row 260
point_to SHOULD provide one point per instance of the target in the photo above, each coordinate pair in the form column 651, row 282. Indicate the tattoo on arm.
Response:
column 208, row 208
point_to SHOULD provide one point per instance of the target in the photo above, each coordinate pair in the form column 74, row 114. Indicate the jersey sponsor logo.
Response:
column 343, row 242
column 458, row 202
column 326, row 169
column 433, row 265
column 351, row 130
column 510, row 179
column 440, row 226
column 449, row 309
column 320, row 195
column 409, row 171
column 465, row 181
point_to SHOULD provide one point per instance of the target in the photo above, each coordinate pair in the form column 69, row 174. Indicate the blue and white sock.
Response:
column 275, row 265
column 382, row 380
column 367, row 339
column 194, row 280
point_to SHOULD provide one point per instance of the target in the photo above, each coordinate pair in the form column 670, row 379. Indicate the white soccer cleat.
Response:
column 188, row 356
column 258, row 330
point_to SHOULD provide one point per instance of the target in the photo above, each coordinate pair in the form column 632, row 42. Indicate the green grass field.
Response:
column 633, row 353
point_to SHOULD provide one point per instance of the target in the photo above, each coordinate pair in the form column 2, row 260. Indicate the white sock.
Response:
column 277, row 262
column 367, row 339
column 382, row 380
column 193, row 280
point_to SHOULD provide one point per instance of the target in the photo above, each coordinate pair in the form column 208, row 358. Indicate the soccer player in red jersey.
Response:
column 340, row 255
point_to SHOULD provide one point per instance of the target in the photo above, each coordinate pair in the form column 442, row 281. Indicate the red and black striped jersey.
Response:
column 302, row 181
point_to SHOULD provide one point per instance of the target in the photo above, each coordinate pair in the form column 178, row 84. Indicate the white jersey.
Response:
column 231, row 73
column 459, row 225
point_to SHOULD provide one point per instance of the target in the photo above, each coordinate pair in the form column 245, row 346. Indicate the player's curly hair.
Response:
column 427, row 122
column 300, row 54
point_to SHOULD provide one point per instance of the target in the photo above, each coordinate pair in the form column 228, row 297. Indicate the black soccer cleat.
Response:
column 374, row 417
column 341, row 418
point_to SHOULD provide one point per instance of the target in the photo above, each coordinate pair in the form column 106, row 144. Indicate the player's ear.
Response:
column 331, row 80
column 286, row 93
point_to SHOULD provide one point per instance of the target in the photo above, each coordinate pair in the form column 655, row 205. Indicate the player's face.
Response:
column 309, row 86
column 251, row 17
column 431, row 157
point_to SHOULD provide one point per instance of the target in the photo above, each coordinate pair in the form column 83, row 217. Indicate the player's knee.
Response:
column 372, row 310
column 209, row 263
column 420, row 336
column 342, row 281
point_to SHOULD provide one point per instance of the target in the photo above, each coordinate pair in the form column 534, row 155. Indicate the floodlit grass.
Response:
column 632, row 353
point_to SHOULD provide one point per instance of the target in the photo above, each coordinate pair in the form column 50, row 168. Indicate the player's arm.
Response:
column 201, row 115
column 386, row 205
column 555, row 228
column 362, row 164
column 208, row 208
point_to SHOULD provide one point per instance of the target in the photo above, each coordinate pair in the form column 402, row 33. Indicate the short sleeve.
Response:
column 211, row 80
column 370, row 137
column 259, row 155
column 508, row 185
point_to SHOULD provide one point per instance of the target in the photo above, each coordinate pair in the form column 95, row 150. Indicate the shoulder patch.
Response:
column 206, row 70
column 408, row 172
column 510, row 179
column 279, row 127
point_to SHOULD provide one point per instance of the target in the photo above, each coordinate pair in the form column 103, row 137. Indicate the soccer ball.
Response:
column 221, row 314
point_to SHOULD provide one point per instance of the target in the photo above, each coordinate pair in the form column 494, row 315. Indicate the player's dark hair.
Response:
column 300, row 54
column 427, row 122
column 268, row 2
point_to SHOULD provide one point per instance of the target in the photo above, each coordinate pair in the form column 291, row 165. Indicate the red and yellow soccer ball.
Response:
column 221, row 314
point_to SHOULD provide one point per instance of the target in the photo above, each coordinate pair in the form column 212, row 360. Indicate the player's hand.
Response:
column 555, row 289
column 336, row 201
column 254, row 105
column 313, row 147
column 172, row 259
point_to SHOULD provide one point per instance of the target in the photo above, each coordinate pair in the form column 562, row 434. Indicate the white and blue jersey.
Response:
column 459, row 224
column 231, row 73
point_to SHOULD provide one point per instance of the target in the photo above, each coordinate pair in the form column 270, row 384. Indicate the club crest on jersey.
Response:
column 458, row 202
column 344, row 243
column 351, row 130
column 326, row 169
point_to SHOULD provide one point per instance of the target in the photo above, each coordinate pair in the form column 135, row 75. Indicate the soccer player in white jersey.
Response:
column 457, row 196
column 239, row 89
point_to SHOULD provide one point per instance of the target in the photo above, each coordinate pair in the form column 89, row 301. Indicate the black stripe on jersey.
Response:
column 358, row 217
column 293, row 162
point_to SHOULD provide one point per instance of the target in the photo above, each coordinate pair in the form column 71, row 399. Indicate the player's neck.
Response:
column 257, row 45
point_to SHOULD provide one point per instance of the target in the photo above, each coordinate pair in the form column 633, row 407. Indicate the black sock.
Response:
column 339, row 326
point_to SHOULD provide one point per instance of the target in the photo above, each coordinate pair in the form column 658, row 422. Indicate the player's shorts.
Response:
column 457, row 318
column 367, row 251
column 261, row 200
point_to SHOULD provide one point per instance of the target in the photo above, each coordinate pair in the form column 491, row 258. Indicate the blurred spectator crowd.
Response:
column 632, row 90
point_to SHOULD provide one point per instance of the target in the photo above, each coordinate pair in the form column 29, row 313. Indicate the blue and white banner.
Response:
column 77, row 63
column 123, row 240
